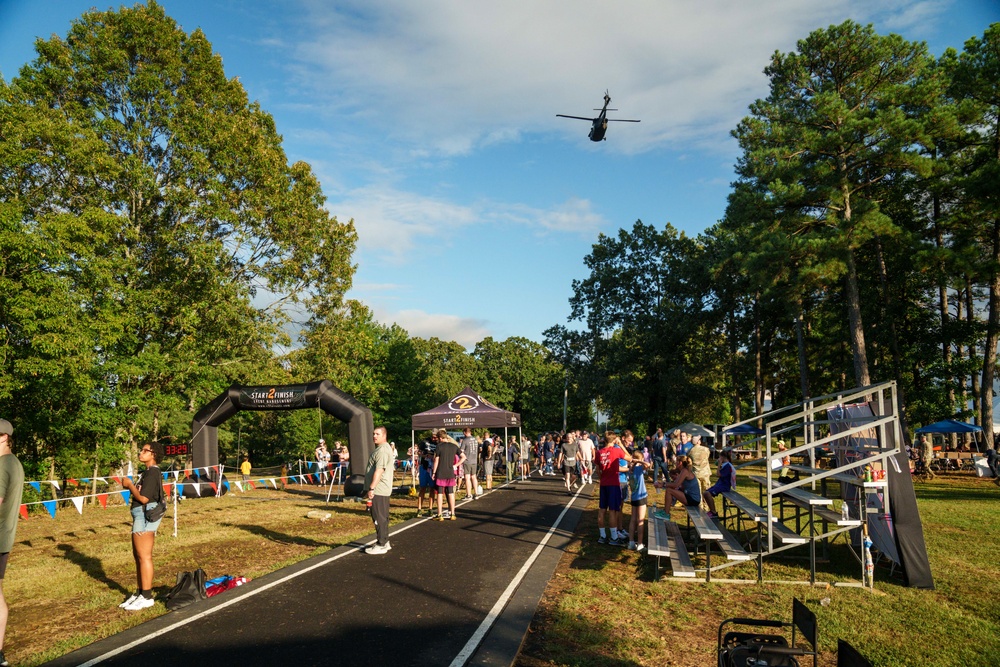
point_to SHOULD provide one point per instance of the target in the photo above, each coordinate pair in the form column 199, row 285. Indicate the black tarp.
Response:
column 467, row 409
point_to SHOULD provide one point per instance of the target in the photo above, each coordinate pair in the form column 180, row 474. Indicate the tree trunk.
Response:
column 990, row 347
column 897, row 359
column 801, row 339
column 970, row 317
column 857, row 333
column 758, row 371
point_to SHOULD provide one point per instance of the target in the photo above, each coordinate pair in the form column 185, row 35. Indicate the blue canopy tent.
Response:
column 951, row 426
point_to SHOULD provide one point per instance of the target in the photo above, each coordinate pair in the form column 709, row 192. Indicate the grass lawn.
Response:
column 604, row 609
column 66, row 576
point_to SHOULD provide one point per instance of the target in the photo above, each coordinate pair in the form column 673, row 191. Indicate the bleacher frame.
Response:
column 815, row 524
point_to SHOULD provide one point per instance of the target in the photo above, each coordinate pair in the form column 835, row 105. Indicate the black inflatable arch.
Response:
column 322, row 394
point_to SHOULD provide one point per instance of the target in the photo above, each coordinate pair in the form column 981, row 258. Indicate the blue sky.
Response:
column 433, row 125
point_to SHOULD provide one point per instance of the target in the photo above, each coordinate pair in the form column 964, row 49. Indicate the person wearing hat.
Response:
column 11, row 485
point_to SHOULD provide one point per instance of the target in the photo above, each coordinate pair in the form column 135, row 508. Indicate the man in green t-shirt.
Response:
column 11, row 485
column 378, row 488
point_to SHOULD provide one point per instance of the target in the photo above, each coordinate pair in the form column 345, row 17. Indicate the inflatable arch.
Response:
column 322, row 394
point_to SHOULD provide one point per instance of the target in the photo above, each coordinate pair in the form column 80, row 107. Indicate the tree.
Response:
column 198, row 236
column 842, row 115
column 974, row 84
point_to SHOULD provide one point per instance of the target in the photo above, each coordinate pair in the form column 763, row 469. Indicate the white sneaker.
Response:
column 139, row 603
column 377, row 549
column 640, row 547
column 129, row 601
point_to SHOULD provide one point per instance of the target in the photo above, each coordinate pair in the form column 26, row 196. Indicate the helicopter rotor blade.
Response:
column 562, row 115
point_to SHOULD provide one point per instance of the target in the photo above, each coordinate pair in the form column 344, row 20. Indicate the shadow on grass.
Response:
column 276, row 536
column 91, row 566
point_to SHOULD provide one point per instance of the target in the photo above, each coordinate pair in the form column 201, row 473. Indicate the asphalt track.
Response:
column 448, row 593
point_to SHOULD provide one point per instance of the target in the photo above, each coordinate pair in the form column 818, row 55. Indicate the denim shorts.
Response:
column 139, row 523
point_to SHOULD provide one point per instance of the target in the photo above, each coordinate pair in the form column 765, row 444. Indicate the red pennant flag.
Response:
column 118, row 480
column 252, row 485
column 214, row 487
column 103, row 498
column 24, row 511
column 166, row 488
column 284, row 481
column 73, row 482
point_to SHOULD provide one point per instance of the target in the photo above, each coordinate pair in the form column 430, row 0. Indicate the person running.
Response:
column 567, row 461
column 447, row 457
column 610, row 499
column 146, row 495
column 586, row 448
column 638, row 498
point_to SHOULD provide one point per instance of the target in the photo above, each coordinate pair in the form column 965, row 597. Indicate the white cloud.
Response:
column 455, row 75
column 394, row 225
column 463, row 330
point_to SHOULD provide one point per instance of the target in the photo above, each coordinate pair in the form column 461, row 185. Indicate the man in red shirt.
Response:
column 610, row 459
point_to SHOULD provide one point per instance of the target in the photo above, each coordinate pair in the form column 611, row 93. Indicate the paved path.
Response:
column 448, row 593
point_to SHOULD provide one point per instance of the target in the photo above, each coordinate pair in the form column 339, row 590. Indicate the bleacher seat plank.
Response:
column 703, row 525
column 807, row 497
column 680, row 560
column 730, row 545
column 786, row 534
column 745, row 505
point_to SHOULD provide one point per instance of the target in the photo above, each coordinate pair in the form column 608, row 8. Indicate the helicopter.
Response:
column 600, row 124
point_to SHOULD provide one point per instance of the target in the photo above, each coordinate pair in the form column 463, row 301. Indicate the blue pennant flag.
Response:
column 180, row 489
column 50, row 505
column 127, row 495
column 36, row 486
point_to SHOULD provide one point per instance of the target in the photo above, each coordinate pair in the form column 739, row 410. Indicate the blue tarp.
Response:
column 744, row 429
column 949, row 426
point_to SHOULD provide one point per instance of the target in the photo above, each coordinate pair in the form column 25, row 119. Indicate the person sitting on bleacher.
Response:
column 727, row 480
column 684, row 489
column 785, row 475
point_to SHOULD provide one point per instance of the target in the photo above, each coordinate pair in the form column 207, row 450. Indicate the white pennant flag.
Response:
column 78, row 503
column 273, row 482
column 197, row 488
column 101, row 480
column 238, row 486
column 54, row 483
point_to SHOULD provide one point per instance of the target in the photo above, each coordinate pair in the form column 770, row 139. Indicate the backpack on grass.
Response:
column 190, row 588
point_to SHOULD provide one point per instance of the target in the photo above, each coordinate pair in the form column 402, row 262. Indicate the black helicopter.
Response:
column 600, row 124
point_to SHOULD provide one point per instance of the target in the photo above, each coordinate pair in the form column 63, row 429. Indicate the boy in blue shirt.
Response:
column 727, row 480
column 638, row 497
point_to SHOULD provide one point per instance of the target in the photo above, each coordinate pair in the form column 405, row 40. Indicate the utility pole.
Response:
column 565, row 397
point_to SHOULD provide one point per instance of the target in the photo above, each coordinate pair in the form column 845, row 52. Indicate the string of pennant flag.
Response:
column 197, row 487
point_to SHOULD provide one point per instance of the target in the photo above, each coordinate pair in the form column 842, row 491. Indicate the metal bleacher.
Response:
column 798, row 511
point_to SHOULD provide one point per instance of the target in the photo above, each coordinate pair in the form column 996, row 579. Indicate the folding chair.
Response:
column 754, row 649
column 848, row 656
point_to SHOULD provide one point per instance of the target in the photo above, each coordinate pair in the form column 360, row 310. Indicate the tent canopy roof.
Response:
column 949, row 426
column 467, row 409
column 693, row 429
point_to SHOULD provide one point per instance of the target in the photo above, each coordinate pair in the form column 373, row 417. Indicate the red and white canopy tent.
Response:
column 467, row 409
